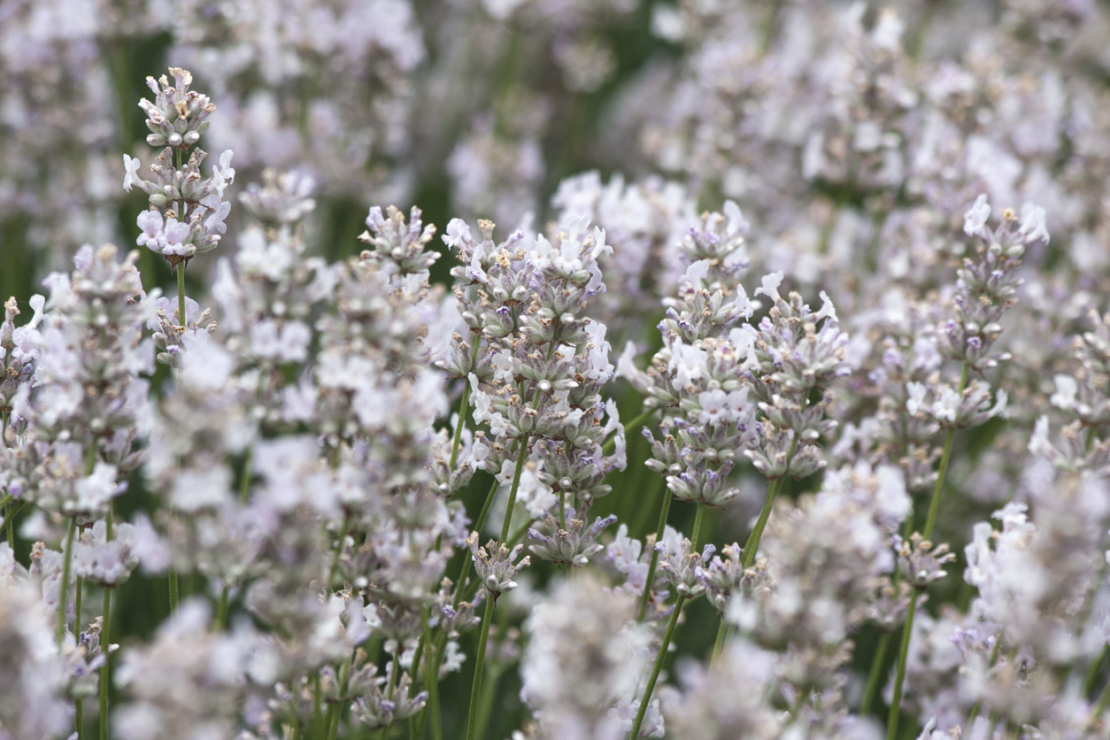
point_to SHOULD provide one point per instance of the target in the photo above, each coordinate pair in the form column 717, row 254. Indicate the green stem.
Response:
column 479, row 661
column 181, row 293
column 663, row 513
column 1103, row 702
column 699, row 519
column 752, row 545
column 338, row 549
column 181, row 320
column 900, row 676
column 879, row 658
column 464, row 569
column 934, row 507
column 221, row 610
column 489, row 692
column 173, row 591
column 63, row 587
column 1092, row 672
column 431, row 683
column 876, row 673
column 521, row 458
column 245, row 480
column 13, row 510
column 77, row 604
column 104, row 670
column 432, row 708
column 105, row 634
column 476, row 689
column 657, row 668
column 679, row 603
column 9, row 515
column 773, row 490
column 484, row 513
column 79, row 715
column 338, row 709
column 719, row 643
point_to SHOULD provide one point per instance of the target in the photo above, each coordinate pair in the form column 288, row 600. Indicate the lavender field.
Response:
column 555, row 370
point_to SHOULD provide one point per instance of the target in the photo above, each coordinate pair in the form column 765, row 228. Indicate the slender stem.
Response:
column 1092, row 672
column 79, row 716
column 699, row 519
column 657, row 668
column 484, row 513
column 13, row 509
column 63, row 587
column 245, row 480
column 900, row 676
column 884, row 642
column 464, row 569
column 173, row 591
column 104, row 669
column 876, row 673
column 476, row 689
column 339, row 549
column 77, row 604
column 431, row 683
column 719, row 643
column 489, row 692
column 432, row 672
column 181, row 293
column 1103, row 702
column 433, row 695
column 479, row 661
column 773, row 490
column 317, row 714
column 663, row 513
column 105, row 634
column 695, row 544
column 934, row 507
column 181, row 321
column 338, row 709
column 221, row 610
column 522, row 456
column 752, row 545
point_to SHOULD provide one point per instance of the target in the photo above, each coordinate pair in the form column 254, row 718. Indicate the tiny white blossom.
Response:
column 770, row 286
column 131, row 171
column 976, row 217
column 916, row 400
